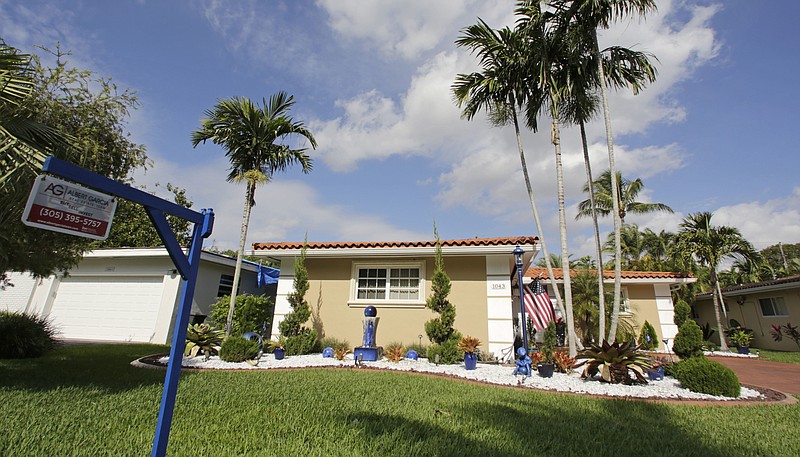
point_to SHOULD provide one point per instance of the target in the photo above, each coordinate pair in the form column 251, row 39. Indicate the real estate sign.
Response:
column 62, row 206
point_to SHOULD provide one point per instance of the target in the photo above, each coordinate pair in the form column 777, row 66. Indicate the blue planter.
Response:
column 656, row 374
column 470, row 361
column 743, row 349
column 279, row 353
column 545, row 370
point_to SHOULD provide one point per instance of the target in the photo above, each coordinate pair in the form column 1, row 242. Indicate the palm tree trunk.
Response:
column 598, row 250
column 723, row 345
column 612, row 331
column 248, row 204
column 559, row 302
column 562, row 222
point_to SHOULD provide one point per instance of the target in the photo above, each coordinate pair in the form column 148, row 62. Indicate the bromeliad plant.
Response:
column 468, row 344
column 615, row 362
column 563, row 362
column 341, row 350
column 203, row 337
column 394, row 352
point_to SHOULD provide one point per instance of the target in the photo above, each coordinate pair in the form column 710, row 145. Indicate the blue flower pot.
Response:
column 279, row 353
column 743, row 349
column 470, row 361
column 656, row 374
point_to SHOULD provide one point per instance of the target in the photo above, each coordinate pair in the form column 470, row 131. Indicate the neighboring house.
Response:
column 758, row 306
column 124, row 294
column 395, row 277
column 645, row 296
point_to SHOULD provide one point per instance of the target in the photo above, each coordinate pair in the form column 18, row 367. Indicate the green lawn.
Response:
column 779, row 356
column 89, row 401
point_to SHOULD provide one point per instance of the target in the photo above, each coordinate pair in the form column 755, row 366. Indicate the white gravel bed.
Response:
column 669, row 388
column 730, row 354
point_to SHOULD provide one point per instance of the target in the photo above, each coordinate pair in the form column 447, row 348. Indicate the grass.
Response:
column 779, row 356
column 87, row 400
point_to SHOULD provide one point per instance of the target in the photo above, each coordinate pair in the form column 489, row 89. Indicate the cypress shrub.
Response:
column 689, row 340
column 237, row 349
column 682, row 313
column 299, row 339
column 447, row 351
column 25, row 336
column 648, row 339
column 440, row 329
column 702, row 375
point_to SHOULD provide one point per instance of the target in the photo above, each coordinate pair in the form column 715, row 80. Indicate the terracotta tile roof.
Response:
column 754, row 285
column 609, row 274
column 398, row 244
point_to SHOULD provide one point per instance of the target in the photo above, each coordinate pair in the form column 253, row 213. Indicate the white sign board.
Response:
column 62, row 206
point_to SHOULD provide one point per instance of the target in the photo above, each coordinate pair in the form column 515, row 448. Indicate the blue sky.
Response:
column 371, row 79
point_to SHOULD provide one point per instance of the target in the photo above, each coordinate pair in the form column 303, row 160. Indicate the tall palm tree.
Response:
column 623, row 67
column 626, row 203
column 501, row 88
column 633, row 246
column 253, row 138
column 710, row 245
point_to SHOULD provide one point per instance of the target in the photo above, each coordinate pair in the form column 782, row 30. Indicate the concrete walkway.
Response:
column 783, row 377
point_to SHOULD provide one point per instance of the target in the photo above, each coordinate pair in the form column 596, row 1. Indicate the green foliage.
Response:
column 682, row 312
column 615, row 362
column 238, row 349
column 93, row 111
column 132, row 226
column 440, row 329
column 563, row 362
column 447, row 351
column 708, row 331
column 25, row 335
column 741, row 337
column 249, row 315
column 202, row 338
column 689, row 340
column 648, row 339
column 422, row 349
column 702, row 375
column 301, row 340
column 549, row 342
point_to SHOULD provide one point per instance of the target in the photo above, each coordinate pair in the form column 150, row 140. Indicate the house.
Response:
column 645, row 296
column 395, row 277
column 128, row 294
column 757, row 306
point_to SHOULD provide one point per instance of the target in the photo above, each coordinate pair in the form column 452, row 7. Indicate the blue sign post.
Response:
column 187, row 267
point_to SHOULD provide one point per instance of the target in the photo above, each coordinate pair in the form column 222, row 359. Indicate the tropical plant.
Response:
column 202, row 338
column 501, row 88
column 468, row 344
column 549, row 342
column 394, row 352
column 615, row 362
column 254, row 141
column 741, row 338
column 648, row 338
column 253, row 313
column 25, row 336
column 563, row 362
column 790, row 330
column 440, row 329
column 340, row 351
column 710, row 245
column 689, row 340
column 628, row 192
column 278, row 343
column 707, row 329
column 237, row 349
column 702, row 375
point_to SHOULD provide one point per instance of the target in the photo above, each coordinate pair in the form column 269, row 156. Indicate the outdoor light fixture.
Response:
column 518, row 252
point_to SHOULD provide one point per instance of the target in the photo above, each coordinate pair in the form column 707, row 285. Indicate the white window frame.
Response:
column 624, row 301
column 773, row 301
column 355, row 302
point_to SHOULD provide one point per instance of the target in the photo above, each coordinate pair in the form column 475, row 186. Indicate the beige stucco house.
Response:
column 757, row 306
column 395, row 277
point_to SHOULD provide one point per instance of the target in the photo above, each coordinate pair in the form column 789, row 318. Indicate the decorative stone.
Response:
column 412, row 355
column 370, row 311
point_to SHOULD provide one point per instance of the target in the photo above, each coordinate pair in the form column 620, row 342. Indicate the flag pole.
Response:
column 518, row 258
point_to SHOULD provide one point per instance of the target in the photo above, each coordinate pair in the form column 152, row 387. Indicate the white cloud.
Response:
column 764, row 223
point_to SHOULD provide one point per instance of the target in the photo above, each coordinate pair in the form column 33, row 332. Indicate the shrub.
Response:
column 251, row 313
column 549, row 342
column 303, row 343
column 682, row 312
column 237, row 349
column 741, row 338
column 300, row 339
column 648, row 339
column 422, row 349
column 440, row 329
column 25, row 335
column 394, row 352
column 702, row 375
column 689, row 340
column 447, row 351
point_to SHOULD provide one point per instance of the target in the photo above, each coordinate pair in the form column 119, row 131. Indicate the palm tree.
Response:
column 632, row 246
column 253, row 138
column 710, row 245
column 627, row 203
column 623, row 67
column 500, row 88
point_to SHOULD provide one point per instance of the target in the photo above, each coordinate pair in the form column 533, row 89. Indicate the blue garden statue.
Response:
column 523, row 363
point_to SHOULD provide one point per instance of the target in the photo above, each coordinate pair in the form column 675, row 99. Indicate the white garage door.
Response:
column 107, row 308
column 15, row 298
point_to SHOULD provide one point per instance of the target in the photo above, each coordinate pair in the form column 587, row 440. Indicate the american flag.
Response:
column 538, row 305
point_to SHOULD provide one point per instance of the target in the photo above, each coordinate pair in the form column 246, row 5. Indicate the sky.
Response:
column 371, row 80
